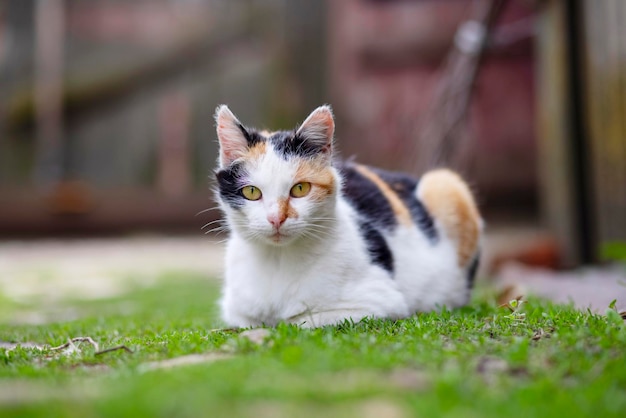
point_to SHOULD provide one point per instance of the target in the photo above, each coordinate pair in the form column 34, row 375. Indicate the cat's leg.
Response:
column 329, row 317
column 337, row 316
column 451, row 204
column 373, row 298
column 235, row 317
column 236, row 320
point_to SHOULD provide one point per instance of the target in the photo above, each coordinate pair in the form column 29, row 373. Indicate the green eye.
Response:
column 300, row 190
column 251, row 192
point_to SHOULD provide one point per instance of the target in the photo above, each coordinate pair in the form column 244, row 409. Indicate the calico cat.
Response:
column 315, row 241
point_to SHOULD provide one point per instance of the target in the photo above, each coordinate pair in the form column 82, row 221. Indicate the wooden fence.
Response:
column 582, row 124
column 604, row 70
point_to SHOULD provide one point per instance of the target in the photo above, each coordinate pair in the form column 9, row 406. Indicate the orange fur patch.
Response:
column 319, row 175
column 285, row 210
column 397, row 205
column 257, row 151
column 449, row 201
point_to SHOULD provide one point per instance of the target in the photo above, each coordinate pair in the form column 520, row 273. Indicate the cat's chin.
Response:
column 277, row 239
column 280, row 240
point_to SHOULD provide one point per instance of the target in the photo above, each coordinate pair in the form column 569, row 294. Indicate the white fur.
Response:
column 320, row 272
column 315, row 281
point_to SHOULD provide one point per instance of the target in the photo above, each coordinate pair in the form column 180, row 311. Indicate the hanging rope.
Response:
column 444, row 123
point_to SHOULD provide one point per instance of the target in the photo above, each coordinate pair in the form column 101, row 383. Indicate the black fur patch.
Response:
column 404, row 186
column 471, row 271
column 367, row 198
column 376, row 246
column 288, row 144
column 252, row 136
column 375, row 214
column 229, row 182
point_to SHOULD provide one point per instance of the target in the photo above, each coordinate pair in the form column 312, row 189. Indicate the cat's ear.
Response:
column 318, row 129
column 231, row 134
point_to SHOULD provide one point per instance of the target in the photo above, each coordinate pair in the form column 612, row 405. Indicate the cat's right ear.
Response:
column 232, row 136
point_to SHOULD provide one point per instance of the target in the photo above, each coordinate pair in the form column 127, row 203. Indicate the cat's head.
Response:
column 277, row 187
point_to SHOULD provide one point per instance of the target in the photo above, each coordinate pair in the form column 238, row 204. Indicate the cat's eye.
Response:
column 300, row 189
column 251, row 192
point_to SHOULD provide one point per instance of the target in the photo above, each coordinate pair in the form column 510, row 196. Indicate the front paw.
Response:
column 321, row 319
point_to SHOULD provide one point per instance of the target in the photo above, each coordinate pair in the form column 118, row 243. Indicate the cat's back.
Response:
column 385, row 200
column 418, row 229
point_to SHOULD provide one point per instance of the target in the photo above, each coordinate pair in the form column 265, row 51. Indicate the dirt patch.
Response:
column 181, row 361
column 256, row 335
column 593, row 288
column 12, row 346
column 19, row 392
column 377, row 407
column 54, row 270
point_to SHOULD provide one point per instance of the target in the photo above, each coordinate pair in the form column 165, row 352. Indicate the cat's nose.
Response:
column 276, row 220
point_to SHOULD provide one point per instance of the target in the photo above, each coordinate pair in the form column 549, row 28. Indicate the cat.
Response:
column 314, row 241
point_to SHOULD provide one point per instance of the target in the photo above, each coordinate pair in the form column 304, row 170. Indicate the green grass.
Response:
column 542, row 360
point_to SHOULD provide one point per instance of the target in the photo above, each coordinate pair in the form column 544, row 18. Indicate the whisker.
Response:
column 319, row 234
column 208, row 209
column 211, row 223
column 319, row 228
column 221, row 241
column 216, row 231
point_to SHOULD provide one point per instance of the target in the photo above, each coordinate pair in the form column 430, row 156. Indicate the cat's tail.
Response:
column 450, row 202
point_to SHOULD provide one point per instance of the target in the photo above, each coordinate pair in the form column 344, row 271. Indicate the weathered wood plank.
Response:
column 557, row 186
column 605, row 80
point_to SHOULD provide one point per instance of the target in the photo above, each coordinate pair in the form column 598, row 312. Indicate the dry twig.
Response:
column 224, row 330
column 76, row 340
column 116, row 348
column 95, row 345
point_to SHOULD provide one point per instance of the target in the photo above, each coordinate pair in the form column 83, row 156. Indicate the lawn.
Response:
column 537, row 359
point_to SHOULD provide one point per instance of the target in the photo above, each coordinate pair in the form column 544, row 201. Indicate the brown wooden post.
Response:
column 604, row 68
column 558, row 190
column 174, row 177
column 49, row 57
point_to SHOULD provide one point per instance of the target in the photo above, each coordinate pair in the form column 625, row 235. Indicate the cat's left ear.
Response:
column 318, row 129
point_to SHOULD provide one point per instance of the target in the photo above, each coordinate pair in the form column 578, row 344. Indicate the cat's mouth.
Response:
column 277, row 237
column 280, row 237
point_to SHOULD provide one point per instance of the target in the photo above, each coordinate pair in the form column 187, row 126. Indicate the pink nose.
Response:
column 276, row 220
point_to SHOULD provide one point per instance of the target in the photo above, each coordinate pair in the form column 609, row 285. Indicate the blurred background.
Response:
column 106, row 109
